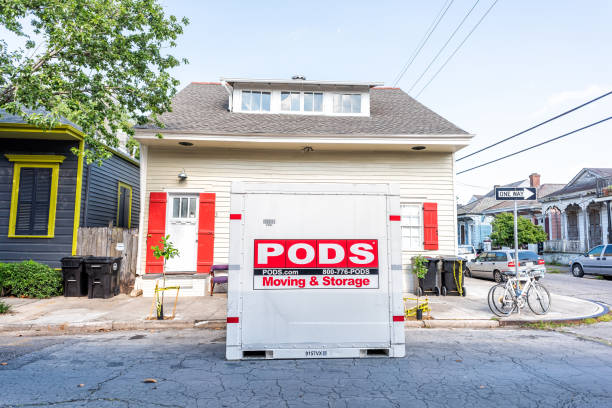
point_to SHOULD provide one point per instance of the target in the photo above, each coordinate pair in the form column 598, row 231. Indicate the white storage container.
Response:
column 315, row 271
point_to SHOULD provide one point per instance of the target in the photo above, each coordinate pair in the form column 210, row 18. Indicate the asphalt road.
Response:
column 443, row 368
column 588, row 287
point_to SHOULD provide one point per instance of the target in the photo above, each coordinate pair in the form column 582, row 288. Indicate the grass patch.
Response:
column 552, row 325
column 554, row 270
column 4, row 308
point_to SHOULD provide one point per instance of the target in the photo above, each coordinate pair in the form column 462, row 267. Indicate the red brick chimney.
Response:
column 534, row 180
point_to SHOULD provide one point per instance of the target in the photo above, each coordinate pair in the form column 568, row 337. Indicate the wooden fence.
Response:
column 105, row 242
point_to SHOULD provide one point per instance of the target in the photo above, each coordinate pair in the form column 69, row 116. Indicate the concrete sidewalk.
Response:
column 125, row 313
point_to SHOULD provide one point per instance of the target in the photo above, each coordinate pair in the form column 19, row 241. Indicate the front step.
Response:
column 190, row 284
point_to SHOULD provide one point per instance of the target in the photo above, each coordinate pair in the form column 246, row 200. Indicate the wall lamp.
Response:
column 182, row 175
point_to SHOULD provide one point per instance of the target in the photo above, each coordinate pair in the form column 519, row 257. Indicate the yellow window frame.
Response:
column 119, row 185
column 34, row 161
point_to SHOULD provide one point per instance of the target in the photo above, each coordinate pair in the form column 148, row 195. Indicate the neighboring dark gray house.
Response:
column 42, row 183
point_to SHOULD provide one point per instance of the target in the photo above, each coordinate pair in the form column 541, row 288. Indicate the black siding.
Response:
column 44, row 250
column 99, row 204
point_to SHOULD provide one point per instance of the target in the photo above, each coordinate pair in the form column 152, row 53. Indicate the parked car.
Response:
column 495, row 264
column 598, row 261
column 467, row 252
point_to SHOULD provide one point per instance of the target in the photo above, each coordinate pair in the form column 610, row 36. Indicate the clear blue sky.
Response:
column 527, row 61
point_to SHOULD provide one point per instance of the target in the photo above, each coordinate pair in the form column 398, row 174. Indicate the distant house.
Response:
column 474, row 219
column 582, row 213
column 298, row 131
column 47, row 192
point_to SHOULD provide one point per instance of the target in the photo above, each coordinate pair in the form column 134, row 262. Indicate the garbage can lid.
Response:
column 99, row 259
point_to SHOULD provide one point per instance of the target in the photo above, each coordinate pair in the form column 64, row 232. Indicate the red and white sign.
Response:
column 315, row 264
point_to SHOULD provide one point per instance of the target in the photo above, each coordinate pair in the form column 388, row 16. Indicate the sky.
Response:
column 526, row 62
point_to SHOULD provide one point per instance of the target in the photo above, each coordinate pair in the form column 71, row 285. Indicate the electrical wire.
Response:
column 536, row 145
column 457, row 49
column 536, row 126
column 428, row 33
column 444, row 46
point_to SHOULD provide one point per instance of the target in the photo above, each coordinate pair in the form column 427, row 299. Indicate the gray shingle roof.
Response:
column 203, row 108
column 6, row 117
column 577, row 185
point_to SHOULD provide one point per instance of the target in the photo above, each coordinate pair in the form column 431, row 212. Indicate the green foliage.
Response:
column 165, row 250
column 419, row 266
column 503, row 231
column 99, row 63
column 30, row 279
column 4, row 308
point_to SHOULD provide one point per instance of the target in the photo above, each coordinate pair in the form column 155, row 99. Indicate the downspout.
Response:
column 77, row 197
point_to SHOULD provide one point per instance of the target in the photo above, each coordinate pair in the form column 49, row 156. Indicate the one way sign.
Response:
column 515, row 193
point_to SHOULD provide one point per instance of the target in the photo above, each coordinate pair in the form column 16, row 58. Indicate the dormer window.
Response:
column 255, row 101
column 347, row 103
column 313, row 102
column 290, row 101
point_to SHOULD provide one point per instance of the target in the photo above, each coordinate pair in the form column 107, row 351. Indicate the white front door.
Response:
column 182, row 226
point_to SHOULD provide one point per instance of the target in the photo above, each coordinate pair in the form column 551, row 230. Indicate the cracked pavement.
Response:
column 453, row 367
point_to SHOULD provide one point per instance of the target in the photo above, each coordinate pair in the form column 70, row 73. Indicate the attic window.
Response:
column 255, row 101
column 290, row 101
column 347, row 103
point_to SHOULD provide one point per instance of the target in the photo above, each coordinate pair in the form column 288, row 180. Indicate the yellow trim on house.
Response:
column 77, row 197
column 52, row 199
column 60, row 132
column 35, row 158
column 119, row 185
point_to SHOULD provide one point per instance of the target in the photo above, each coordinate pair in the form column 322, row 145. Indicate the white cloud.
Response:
column 557, row 101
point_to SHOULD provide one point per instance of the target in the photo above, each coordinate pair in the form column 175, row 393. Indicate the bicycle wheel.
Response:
column 538, row 299
column 501, row 301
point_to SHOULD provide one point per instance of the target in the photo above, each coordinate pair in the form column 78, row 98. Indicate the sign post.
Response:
column 515, row 194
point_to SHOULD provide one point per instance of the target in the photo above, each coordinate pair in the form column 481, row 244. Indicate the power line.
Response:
column 428, row 34
column 536, row 126
column 537, row 145
column 457, row 49
column 444, row 46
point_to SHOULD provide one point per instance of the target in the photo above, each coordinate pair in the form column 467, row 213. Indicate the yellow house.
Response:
column 293, row 130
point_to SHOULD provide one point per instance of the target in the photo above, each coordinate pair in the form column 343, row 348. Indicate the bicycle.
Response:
column 512, row 295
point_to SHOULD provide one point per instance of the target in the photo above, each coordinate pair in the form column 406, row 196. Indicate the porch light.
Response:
column 182, row 175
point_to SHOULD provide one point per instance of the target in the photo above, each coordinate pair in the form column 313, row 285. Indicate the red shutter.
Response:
column 430, row 226
column 157, row 229
column 206, row 232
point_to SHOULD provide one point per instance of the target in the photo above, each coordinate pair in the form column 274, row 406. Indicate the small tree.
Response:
column 503, row 231
column 167, row 251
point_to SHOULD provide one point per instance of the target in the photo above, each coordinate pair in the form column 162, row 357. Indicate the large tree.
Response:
column 99, row 63
column 503, row 231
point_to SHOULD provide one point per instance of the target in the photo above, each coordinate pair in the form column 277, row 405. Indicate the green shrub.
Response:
column 30, row 279
column 4, row 308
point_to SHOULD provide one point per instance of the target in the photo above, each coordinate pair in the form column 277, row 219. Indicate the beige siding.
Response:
column 423, row 177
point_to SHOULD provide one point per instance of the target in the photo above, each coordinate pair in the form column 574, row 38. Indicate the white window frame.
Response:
column 418, row 229
column 301, row 102
column 313, row 93
column 342, row 95
column 251, row 91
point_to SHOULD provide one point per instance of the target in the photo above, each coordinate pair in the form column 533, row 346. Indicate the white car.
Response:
column 467, row 252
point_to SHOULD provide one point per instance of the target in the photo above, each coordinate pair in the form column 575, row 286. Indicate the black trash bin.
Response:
column 452, row 276
column 75, row 278
column 103, row 273
column 431, row 282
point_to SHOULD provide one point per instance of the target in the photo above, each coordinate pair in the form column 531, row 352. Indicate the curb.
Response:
column 92, row 327
column 569, row 320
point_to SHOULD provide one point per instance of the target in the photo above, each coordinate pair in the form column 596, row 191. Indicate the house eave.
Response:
column 437, row 143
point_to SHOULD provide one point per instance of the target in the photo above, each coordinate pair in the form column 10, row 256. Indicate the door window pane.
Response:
column 176, row 207
column 184, row 204
column 192, row 207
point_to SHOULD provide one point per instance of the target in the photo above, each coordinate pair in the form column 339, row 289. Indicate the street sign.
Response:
column 515, row 193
